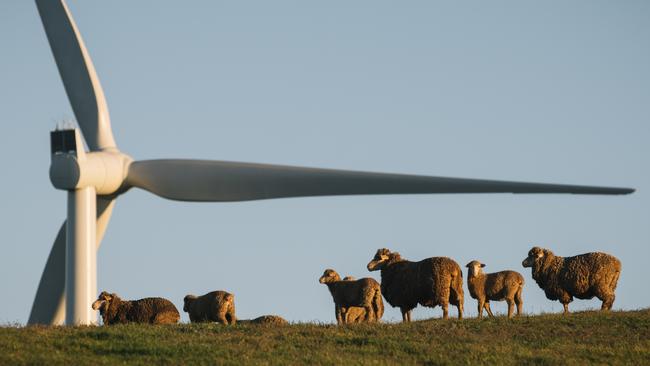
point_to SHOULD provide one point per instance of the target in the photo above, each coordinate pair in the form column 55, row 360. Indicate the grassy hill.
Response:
column 588, row 337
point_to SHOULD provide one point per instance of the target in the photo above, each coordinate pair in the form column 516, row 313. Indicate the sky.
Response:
column 554, row 91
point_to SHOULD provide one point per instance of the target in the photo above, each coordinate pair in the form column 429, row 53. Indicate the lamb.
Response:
column 152, row 310
column 429, row 282
column 365, row 293
column 215, row 306
column 583, row 276
column 499, row 286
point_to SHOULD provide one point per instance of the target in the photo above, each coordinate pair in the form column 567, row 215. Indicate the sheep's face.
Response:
column 380, row 259
column 329, row 276
column 187, row 300
column 534, row 255
column 474, row 267
column 103, row 301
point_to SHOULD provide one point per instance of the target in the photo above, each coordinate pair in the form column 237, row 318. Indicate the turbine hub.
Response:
column 74, row 168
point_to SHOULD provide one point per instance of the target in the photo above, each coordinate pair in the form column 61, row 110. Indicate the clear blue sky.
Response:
column 550, row 91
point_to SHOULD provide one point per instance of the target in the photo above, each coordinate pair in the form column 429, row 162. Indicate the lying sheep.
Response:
column 152, row 310
column 499, row 286
column 357, row 314
column 215, row 306
column 429, row 282
column 265, row 320
column 365, row 293
column 583, row 276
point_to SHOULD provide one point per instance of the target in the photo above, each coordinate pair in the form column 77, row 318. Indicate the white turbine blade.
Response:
column 49, row 303
column 202, row 180
column 78, row 74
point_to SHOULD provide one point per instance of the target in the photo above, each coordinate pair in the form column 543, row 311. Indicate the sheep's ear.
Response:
column 482, row 265
column 468, row 264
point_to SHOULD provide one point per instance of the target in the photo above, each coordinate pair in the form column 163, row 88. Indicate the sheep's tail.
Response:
column 378, row 304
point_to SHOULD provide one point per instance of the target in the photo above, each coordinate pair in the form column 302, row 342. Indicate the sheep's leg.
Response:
column 511, row 307
column 519, row 301
column 406, row 315
column 230, row 317
column 608, row 301
column 445, row 310
column 566, row 308
column 481, row 305
column 488, row 309
column 221, row 318
column 370, row 314
column 338, row 311
column 346, row 315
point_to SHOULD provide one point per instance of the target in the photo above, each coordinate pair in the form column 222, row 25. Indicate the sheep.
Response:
column 429, row 282
column 357, row 314
column 365, row 293
column 215, row 306
column 265, row 320
column 152, row 310
column 584, row 276
column 499, row 286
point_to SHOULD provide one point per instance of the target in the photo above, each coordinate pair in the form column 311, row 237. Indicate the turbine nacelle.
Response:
column 73, row 168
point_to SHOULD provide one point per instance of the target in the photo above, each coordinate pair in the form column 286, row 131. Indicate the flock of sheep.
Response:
column 436, row 281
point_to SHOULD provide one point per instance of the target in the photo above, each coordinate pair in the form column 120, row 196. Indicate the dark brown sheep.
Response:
column 498, row 286
column 265, row 320
column 152, row 310
column 365, row 293
column 584, row 276
column 215, row 306
column 429, row 282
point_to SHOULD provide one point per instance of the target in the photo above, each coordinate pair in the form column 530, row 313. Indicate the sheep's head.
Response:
column 535, row 255
column 329, row 276
column 381, row 258
column 474, row 267
column 103, row 302
column 187, row 300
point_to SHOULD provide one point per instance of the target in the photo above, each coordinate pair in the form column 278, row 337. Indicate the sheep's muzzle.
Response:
column 97, row 304
column 528, row 262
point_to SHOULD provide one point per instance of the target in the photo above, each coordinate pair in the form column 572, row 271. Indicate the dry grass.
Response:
column 588, row 337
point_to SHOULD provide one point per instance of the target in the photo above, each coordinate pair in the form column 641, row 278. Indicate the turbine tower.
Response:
column 94, row 179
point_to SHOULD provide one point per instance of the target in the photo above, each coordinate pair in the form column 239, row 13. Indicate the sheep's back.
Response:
column 355, row 293
column 498, row 284
column 146, row 310
column 581, row 272
column 437, row 274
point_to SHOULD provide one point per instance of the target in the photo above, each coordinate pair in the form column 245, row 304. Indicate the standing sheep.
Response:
column 215, row 306
column 499, row 286
column 152, row 310
column 365, row 293
column 583, row 276
column 429, row 282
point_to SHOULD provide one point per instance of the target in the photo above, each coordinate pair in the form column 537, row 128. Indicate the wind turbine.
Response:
column 95, row 178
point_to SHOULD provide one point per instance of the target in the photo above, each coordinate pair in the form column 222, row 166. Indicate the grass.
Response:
column 620, row 337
